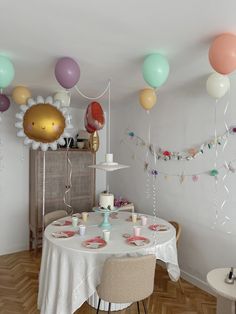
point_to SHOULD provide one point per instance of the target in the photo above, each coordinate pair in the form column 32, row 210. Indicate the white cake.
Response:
column 106, row 199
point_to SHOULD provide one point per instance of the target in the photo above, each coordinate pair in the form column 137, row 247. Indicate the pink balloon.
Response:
column 222, row 53
column 67, row 72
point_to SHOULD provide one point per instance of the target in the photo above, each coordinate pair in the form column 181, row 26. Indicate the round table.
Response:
column 226, row 293
column 70, row 272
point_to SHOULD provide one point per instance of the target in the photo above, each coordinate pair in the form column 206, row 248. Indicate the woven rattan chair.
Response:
column 50, row 217
column 178, row 229
column 127, row 280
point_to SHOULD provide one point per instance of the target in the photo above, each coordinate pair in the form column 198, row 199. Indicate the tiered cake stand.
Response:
column 106, row 213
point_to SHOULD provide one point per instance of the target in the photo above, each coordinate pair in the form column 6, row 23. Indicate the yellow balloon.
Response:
column 20, row 95
column 43, row 123
column 147, row 98
column 94, row 142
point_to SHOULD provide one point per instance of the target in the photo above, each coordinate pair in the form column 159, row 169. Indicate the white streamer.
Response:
column 69, row 183
column 44, row 186
column 96, row 97
column 226, row 218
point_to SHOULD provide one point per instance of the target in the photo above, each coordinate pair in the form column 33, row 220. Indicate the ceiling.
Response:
column 110, row 39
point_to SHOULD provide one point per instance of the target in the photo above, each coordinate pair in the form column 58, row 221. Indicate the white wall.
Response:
column 14, row 181
column 180, row 120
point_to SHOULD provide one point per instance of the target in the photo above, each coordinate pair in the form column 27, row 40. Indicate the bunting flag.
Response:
column 189, row 154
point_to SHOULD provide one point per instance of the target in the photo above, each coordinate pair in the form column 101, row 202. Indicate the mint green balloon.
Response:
column 7, row 72
column 155, row 70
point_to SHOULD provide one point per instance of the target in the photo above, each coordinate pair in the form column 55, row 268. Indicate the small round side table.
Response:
column 226, row 293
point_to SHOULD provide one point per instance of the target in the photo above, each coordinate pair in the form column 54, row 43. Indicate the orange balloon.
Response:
column 147, row 98
column 20, row 95
column 222, row 53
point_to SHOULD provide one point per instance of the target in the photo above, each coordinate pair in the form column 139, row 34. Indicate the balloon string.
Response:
column 44, row 179
column 69, row 183
column 215, row 201
column 96, row 97
column 226, row 218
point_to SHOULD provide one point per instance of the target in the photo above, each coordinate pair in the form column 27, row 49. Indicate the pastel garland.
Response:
column 189, row 154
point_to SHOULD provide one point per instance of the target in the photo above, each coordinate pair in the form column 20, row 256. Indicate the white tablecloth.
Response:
column 70, row 273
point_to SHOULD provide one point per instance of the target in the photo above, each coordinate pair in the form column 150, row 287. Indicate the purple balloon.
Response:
column 67, row 72
column 4, row 103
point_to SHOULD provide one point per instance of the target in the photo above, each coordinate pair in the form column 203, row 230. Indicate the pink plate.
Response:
column 63, row 234
column 157, row 227
column 94, row 243
column 59, row 223
column 137, row 240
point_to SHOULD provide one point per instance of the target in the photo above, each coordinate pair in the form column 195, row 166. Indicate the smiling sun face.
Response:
column 43, row 123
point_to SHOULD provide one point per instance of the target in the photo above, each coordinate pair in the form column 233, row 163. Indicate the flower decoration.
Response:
column 214, row 172
column 192, row 152
column 195, row 178
column 43, row 123
column 154, row 172
column 166, row 153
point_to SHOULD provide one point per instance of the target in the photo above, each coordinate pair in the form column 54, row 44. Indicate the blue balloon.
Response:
column 155, row 70
column 7, row 72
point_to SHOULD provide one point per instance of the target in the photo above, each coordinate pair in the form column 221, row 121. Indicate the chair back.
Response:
column 50, row 217
column 178, row 229
column 128, row 279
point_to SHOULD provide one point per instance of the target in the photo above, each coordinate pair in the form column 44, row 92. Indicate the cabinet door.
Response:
column 82, row 193
column 55, row 181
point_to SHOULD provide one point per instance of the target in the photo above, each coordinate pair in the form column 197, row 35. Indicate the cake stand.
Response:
column 106, row 212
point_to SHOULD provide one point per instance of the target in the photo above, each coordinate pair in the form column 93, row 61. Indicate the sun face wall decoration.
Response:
column 43, row 123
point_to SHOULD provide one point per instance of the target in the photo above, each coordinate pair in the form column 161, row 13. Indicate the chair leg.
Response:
column 180, row 286
column 109, row 308
column 144, row 306
column 138, row 307
column 99, row 301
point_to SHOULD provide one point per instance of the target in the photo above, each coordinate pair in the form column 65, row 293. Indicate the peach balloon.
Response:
column 147, row 98
column 222, row 53
column 20, row 95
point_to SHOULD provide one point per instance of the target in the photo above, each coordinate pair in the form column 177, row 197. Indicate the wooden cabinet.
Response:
column 57, row 177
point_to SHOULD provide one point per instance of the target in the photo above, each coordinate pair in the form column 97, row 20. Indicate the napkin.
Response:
column 93, row 245
column 139, row 242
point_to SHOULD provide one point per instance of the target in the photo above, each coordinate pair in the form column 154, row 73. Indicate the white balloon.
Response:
column 19, row 125
column 21, row 133
column 217, row 85
column 31, row 102
column 28, row 141
column 44, row 147
column 53, row 146
column 40, row 100
column 35, row 145
column 49, row 100
column 63, row 97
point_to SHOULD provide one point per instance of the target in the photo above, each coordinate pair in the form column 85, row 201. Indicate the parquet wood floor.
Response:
column 19, row 284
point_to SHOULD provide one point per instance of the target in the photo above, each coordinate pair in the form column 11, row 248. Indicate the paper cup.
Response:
column 134, row 217
column 137, row 231
column 85, row 216
column 75, row 221
column 106, row 235
column 82, row 230
column 143, row 220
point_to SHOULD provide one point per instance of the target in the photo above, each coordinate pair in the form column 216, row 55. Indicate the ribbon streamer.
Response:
column 69, row 183
column 44, row 186
column 228, row 169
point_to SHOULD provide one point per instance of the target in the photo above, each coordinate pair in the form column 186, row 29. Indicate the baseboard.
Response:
column 197, row 282
column 14, row 250
column 193, row 280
